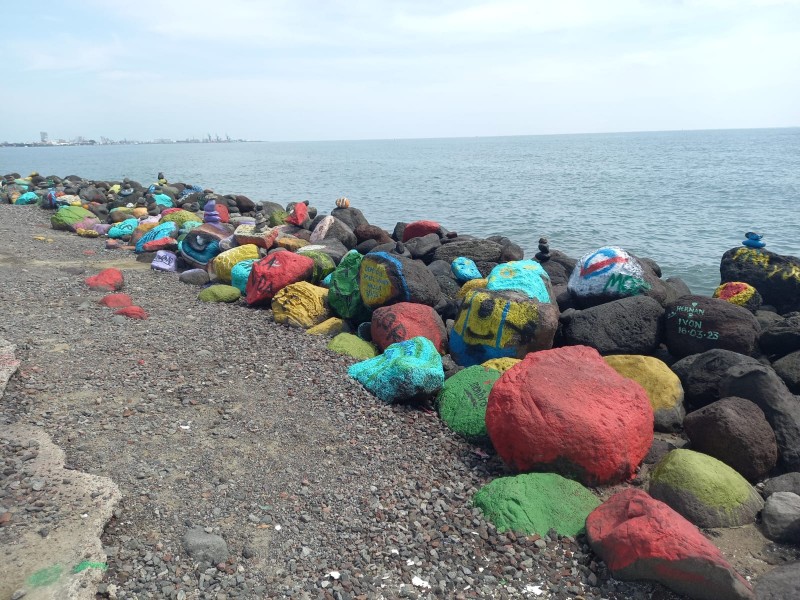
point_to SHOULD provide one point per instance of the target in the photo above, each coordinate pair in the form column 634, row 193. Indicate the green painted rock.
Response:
column 536, row 503
column 219, row 293
column 352, row 345
column 344, row 297
column 462, row 401
column 181, row 217
column 72, row 218
column 323, row 265
column 704, row 490
column 278, row 218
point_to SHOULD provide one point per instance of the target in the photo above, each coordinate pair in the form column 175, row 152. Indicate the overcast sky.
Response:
column 362, row 69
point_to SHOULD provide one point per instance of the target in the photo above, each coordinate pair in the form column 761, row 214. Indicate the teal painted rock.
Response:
column 219, row 293
column 405, row 371
column 344, row 297
column 240, row 273
column 526, row 276
column 704, row 490
column 72, row 218
column 160, row 231
column 27, row 198
column 123, row 229
column 162, row 200
column 462, row 401
column 465, row 269
column 323, row 265
column 352, row 345
column 536, row 503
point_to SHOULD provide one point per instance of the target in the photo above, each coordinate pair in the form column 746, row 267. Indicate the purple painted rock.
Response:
column 164, row 261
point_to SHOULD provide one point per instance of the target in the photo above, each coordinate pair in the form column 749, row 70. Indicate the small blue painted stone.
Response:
column 526, row 276
column 240, row 273
column 465, row 269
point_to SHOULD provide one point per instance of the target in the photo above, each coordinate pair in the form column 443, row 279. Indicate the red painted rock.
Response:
column 224, row 213
column 116, row 300
column 566, row 410
column 420, row 228
column 165, row 243
column 273, row 273
column 405, row 320
column 108, row 279
column 641, row 538
column 298, row 215
column 132, row 312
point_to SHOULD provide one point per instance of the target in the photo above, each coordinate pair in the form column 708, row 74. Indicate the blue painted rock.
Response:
column 163, row 200
column 163, row 230
column 408, row 370
column 387, row 279
column 164, row 260
column 465, row 269
column 201, row 244
column 501, row 324
column 463, row 399
column 123, row 229
column 72, row 218
column 753, row 240
column 270, row 275
column 405, row 320
column 240, row 273
column 526, row 276
column 775, row 276
column 345, row 297
column 27, row 198
column 223, row 263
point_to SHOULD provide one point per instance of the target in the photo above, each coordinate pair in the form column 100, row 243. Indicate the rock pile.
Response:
column 568, row 369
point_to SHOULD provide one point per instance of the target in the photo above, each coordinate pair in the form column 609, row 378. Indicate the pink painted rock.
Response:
column 405, row 320
column 566, row 410
column 116, row 300
column 273, row 273
column 133, row 312
column 108, row 279
column 298, row 215
column 641, row 538
column 420, row 228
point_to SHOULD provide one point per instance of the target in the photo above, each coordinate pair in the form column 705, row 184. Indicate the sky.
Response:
column 369, row 69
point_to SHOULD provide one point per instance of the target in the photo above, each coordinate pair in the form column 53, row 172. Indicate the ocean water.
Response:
column 681, row 198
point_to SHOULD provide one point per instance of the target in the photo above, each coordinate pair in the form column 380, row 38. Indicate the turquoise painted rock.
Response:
column 123, row 229
column 27, row 198
column 72, row 218
column 405, row 371
column 462, row 402
column 201, row 244
column 352, row 345
column 526, row 276
column 160, row 231
column 240, row 273
column 704, row 490
column 219, row 293
column 536, row 503
column 163, row 200
column 344, row 297
column 465, row 269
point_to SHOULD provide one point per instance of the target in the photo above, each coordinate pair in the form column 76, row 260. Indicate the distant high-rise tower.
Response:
column 43, row 135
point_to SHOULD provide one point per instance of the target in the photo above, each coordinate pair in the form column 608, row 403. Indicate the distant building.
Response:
column 43, row 136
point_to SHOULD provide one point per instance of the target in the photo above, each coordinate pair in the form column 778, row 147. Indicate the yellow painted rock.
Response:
column 501, row 364
column 331, row 327
column 89, row 233
column 139, row 211
column 469, row 286
column 292, row 244
column 662, row 386
column 223, row 263
column 301, row 304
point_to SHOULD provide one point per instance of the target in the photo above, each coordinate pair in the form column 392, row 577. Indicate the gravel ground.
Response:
column 214, row 416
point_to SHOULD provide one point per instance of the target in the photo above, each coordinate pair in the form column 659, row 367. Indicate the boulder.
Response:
column 700, row 374
column 194, row 277
column 735, row 431
column 333, row 248
column 406, row 371
column 332, row 327
column 352, row 217
column 219, row 293
column 662, row 386
column 501, row 324
column 323, row 265
column 301, row 304
column 201, row 244
column 464, row 269
column 779, row 584
column 298, row 214
column 344, row 296
column 781, row 337
column 179, row 216
column 626, row 326
column 291, row 243
column 164, row 243
column 108, row 279
column 696, row 324
column 704, row 490
column 423, row 248
column 474, row 249
column 165, row 260
column 72, row 218
column 781, row 517
column 332, row 228
column 385, row 279
column 739, row 293
column 222, row 264
column 788, row 482
column 405, row 320
column 524, row 276
column 788, row 368
column 536, row 503
column 776, row 277
column 566, row 410
column 761, row 385
column 271, row 274
column 352, row 345
column 248, row 234
column 462, row 402
column 640, row 538
column 418, row 229
column 123, row 229
column 371, row 232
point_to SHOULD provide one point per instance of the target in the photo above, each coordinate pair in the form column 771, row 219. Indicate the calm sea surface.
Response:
column 681, row 198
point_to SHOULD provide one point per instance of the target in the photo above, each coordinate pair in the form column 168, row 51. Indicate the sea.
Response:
column 681, row 198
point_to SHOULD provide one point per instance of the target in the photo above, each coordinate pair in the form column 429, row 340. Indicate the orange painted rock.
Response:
column 107, row 279
column 133, row 312
column 116, row 300
column 420, row 228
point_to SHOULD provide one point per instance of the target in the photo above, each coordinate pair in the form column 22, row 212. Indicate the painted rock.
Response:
column 270, row 275
column 462, row 402
column 201, row 245
column 290, row 243
column 345, row 297
column 405, row 371
column 164, row 243
column 525, row 276
column 27, row 198
column 739, row 293
column 179, row 216
column 194, row 277
column 464, row 269
column 223, row 263
column 566, row 410
column 695, row 324
column 133, row 312
column 163, row 230
column 501, row 324
column 405, row 320
column 219, row 293
column 640, row 538
column 471, row 286
column 107, row 279
column 735, row 431
column 332, row 228
column 536, row 503
column 123, row 229
column 323, row 265
column 501, row 364
column 420, row 228
column 72, row 218
column 247, row 234
column 775, row 276
column 663, row 387
column 164, row 260
column 387, row 279
column 240, row 273
column 116, row 300
column 87, row 233
column 298, row 215
column 331, row 327
column 704, row 490
column 163, row 200
column 301, row 304
column 352, row 345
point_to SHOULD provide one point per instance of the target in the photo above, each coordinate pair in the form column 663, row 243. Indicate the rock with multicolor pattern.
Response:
column 385, row 279
column 739, row 293
column 72, row 218
column 160, row 231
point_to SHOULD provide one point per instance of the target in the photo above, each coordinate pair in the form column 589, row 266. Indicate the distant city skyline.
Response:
column 277, row 70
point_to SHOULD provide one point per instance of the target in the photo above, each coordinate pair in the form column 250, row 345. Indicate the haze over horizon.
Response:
column 280, row 70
